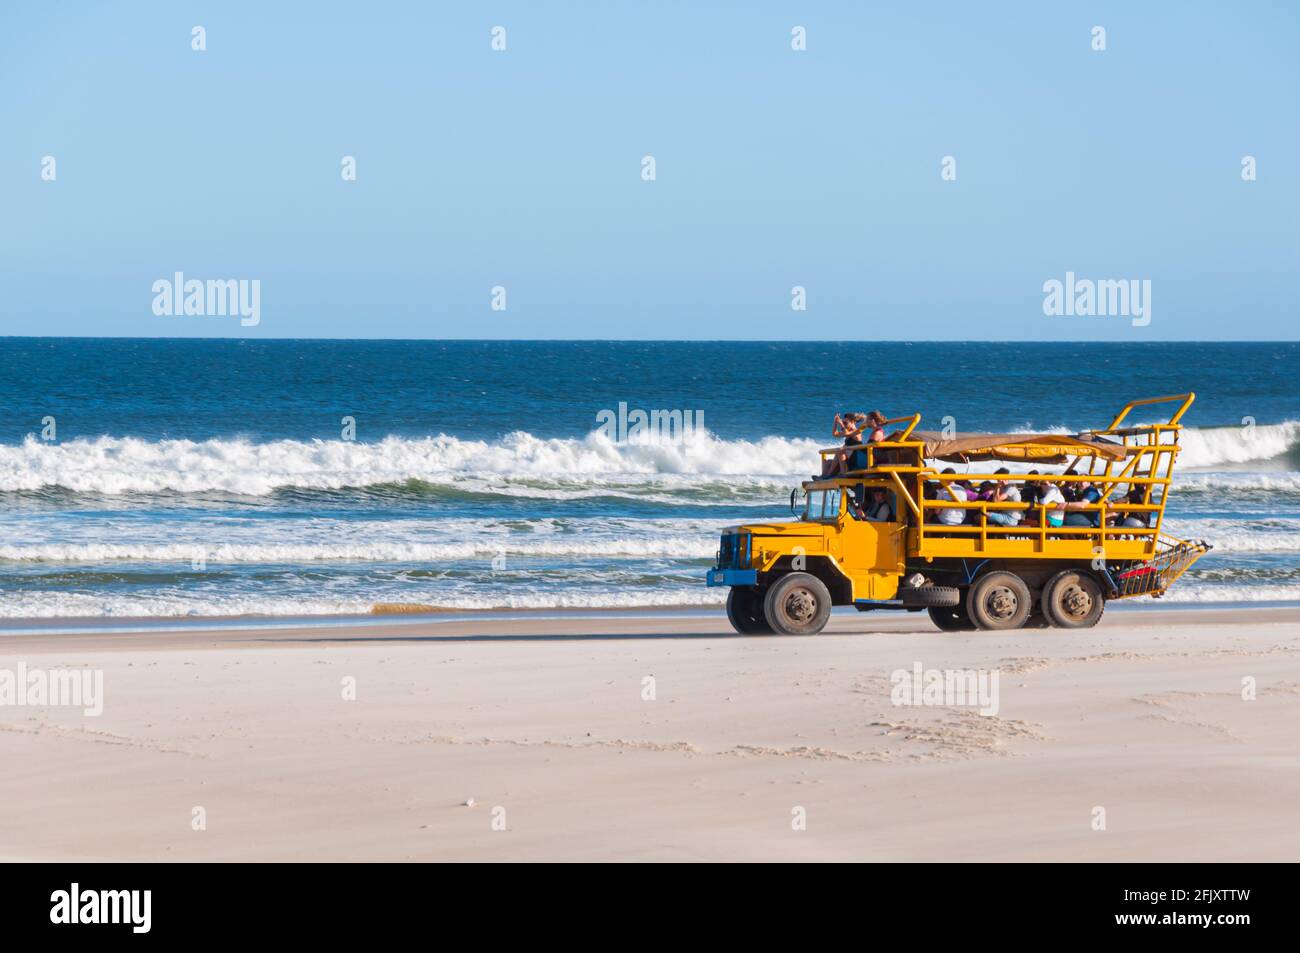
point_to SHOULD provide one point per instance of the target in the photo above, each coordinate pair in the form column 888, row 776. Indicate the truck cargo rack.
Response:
column 1155, row 575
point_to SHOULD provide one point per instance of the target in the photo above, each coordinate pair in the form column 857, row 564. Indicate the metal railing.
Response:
column 1149, row 452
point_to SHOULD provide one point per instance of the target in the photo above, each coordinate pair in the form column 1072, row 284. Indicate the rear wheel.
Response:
column 1072, row 600
column 745, row 611
column 998, row 601
column 797, row 604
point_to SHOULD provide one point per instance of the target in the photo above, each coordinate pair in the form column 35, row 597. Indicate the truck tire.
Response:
column 999, row 601
column 930, row 597
column 745, row 611
column 1072, row 599
column 797, row 604
column 952, row 618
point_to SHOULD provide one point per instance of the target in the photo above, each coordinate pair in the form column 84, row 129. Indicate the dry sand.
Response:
column 543, row 722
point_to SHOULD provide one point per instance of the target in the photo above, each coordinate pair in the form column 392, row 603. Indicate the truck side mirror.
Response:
column 793, row 505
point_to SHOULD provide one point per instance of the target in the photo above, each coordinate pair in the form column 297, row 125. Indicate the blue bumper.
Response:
column 733, row 577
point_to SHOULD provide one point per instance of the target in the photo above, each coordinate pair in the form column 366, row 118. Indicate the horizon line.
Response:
column 1119, row 342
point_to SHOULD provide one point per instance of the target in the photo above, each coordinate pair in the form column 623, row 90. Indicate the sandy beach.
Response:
column 659, row 736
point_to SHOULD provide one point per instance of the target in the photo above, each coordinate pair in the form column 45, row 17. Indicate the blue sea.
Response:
column 220, row 477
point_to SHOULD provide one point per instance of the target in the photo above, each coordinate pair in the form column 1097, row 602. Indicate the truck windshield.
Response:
column 822, row 505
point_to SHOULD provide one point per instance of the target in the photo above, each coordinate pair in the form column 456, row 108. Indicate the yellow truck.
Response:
column 893, row 531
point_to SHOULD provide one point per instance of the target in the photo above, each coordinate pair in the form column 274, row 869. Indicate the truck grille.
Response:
column 734, row 552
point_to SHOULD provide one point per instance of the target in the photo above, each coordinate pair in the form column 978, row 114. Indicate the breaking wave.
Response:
column 1220, row 446
column 520, row 464
column 118, row 465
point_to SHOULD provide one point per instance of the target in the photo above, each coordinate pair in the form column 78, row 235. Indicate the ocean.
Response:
column 217, row 477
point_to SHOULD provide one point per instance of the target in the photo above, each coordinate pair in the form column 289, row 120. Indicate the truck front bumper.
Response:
column 732, row 577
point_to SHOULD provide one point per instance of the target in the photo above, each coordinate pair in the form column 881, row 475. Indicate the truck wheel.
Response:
column 952, row 618
column 797, row 604
column 1072, row 600
column 745, row 611
column 999, row 600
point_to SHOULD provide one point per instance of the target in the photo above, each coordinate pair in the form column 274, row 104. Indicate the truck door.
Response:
column 870, row 551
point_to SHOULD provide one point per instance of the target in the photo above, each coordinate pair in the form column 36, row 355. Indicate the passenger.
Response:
column 876, row 421
column 881, row 507
column 1011, row 492
column 848, row 425
column 1050, row 495
column 1134, row 519
column 1005, row 492
column 1069, row 489
column 963, row 490
column 951, row 516
column 857, row 460
column 983, row 494
column 1085, row 495
column 1031, row 490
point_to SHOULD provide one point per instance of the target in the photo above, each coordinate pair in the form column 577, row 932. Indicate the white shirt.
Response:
column 953, row 516
column 1011, row 494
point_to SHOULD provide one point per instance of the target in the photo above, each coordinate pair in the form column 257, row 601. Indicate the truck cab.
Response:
column 849, row 559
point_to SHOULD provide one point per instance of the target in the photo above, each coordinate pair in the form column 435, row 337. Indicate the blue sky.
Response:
column 775, row 168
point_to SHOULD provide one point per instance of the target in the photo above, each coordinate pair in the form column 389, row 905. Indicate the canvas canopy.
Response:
column 1038, row 447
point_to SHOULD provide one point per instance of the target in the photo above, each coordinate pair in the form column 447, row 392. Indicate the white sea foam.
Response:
column 424, row 541
column 113, row 465
column 1217, row 446
column 1240, row 536
column 50, row 605
column 521, row 464
column 1276, row 482
column 1183, row 592
column 463, row 540
column 384, row 552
